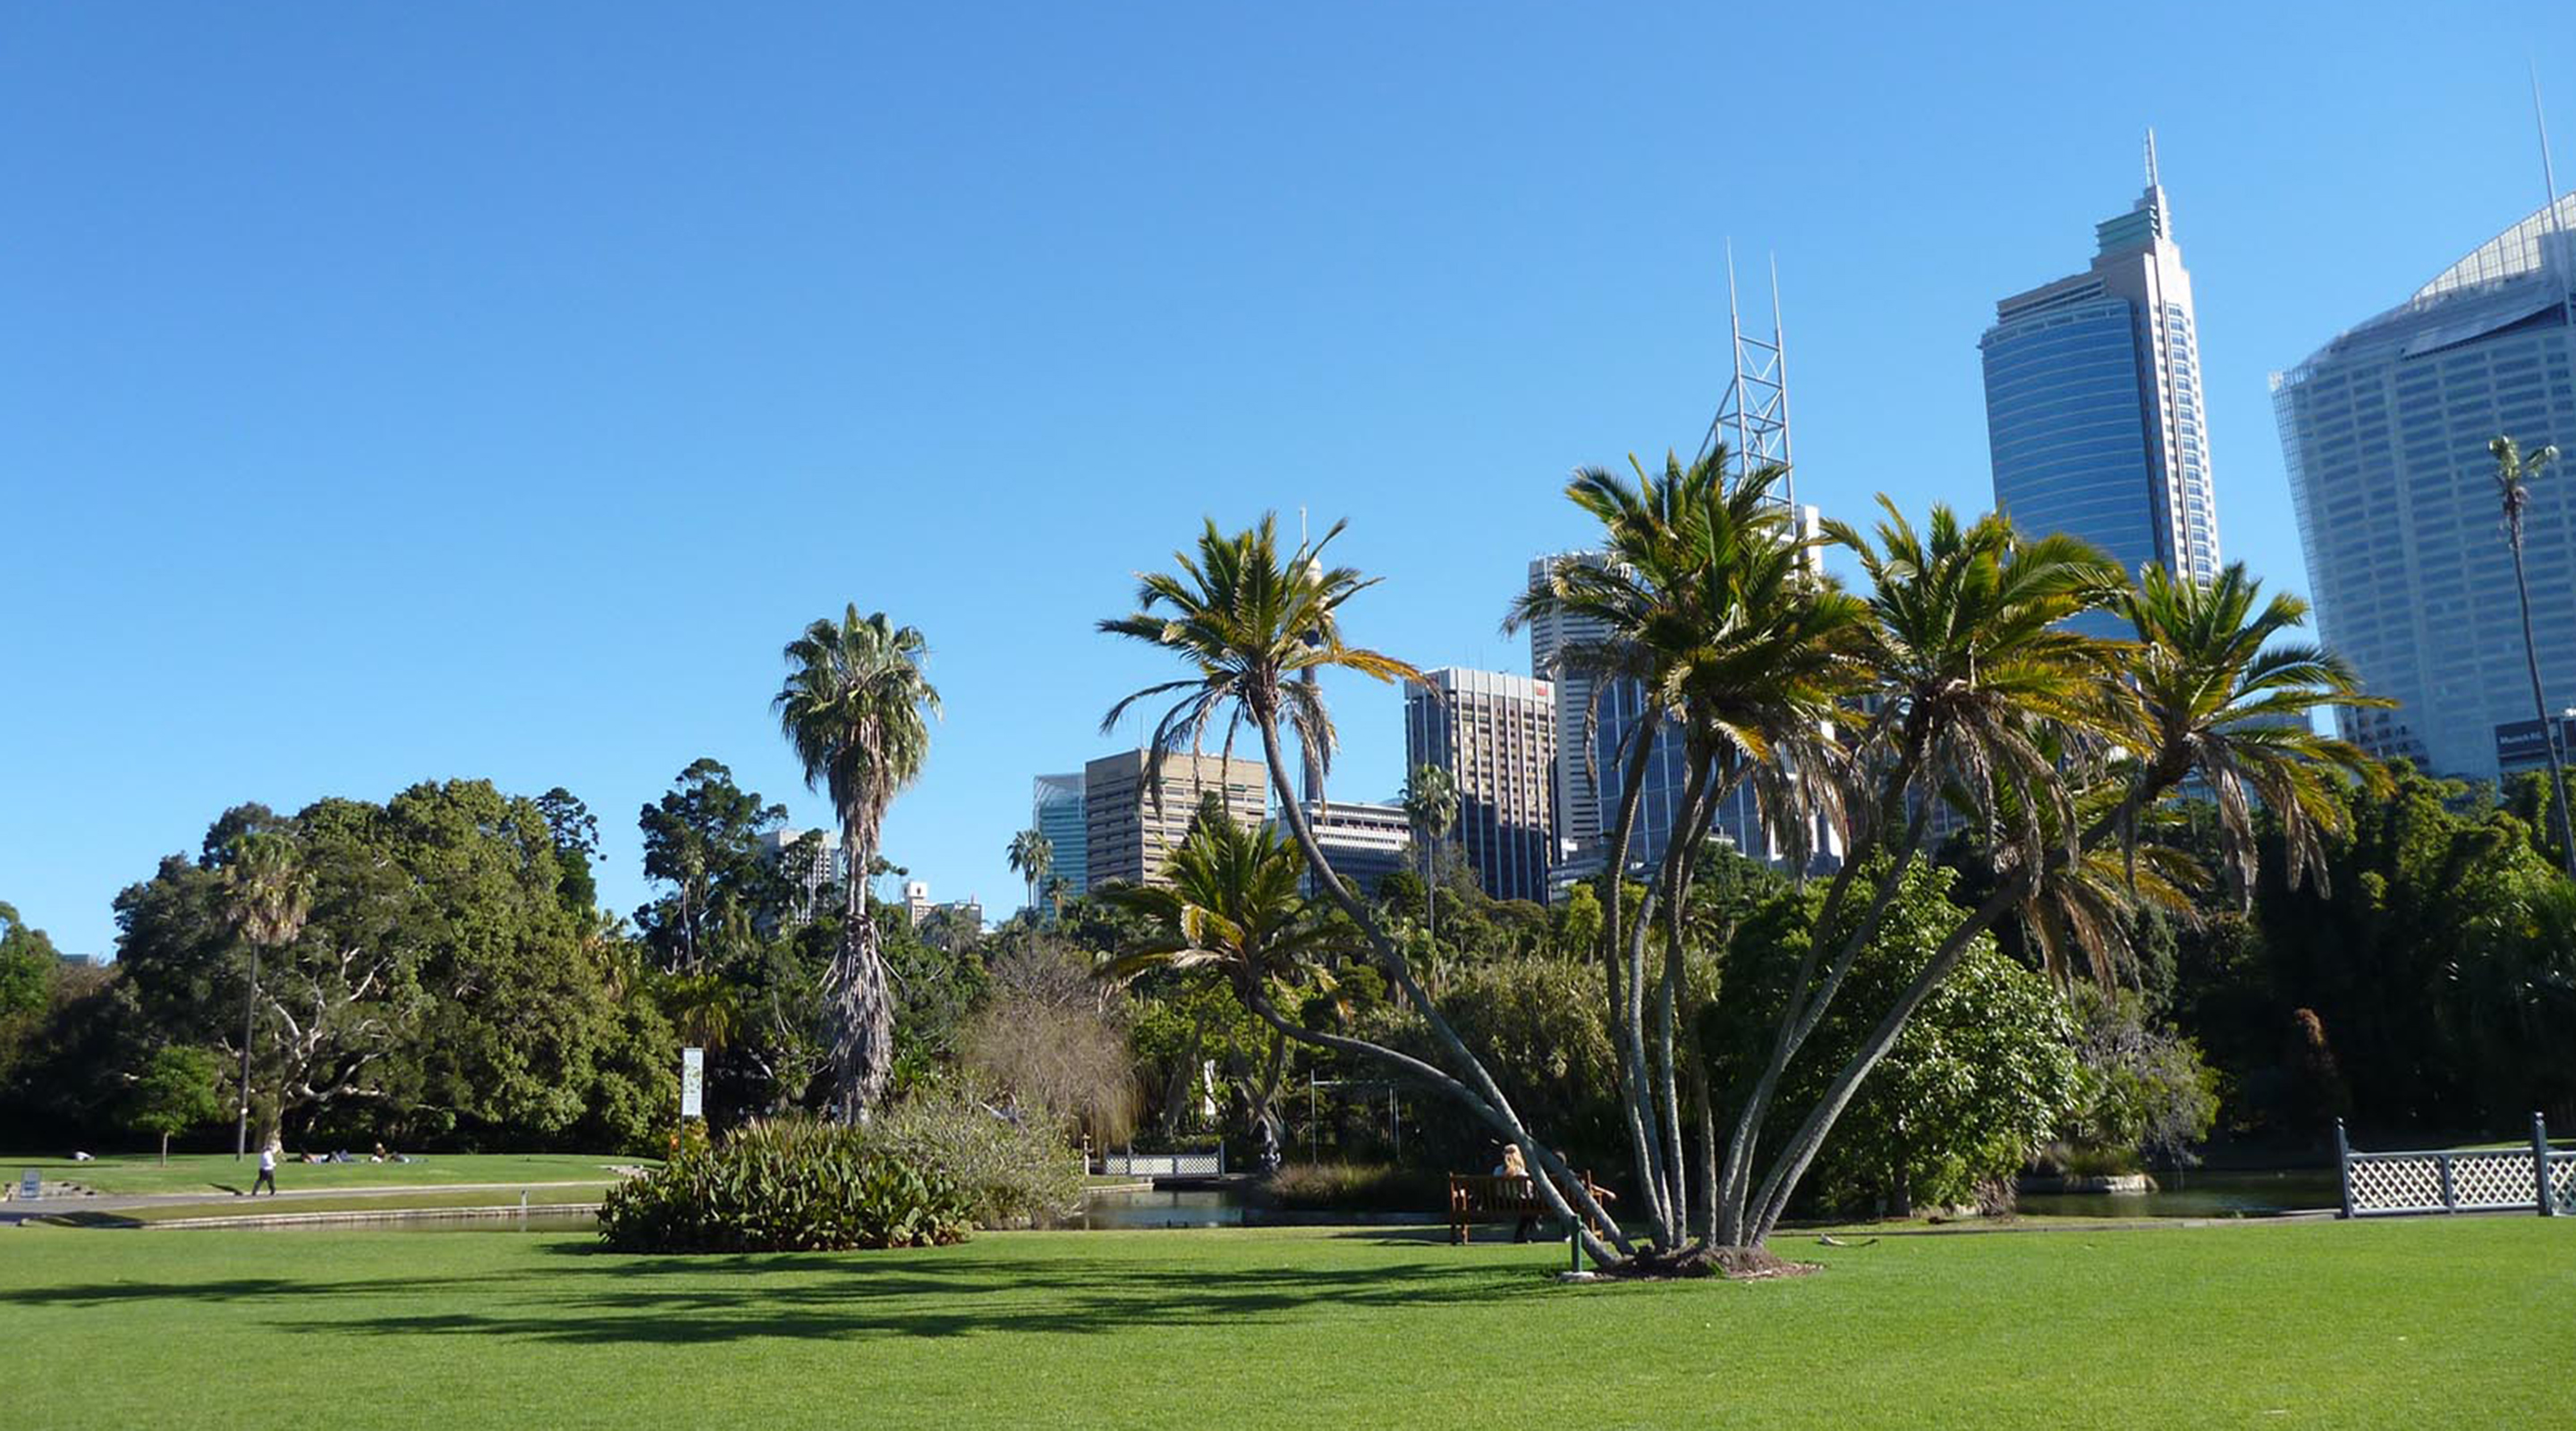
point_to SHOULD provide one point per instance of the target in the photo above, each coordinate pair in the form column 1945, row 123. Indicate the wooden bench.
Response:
column 1498, row 1197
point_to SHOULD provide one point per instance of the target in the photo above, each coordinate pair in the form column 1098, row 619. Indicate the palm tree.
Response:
column 1032, row 855
column 1247, row 620
column 1431, row 803
column 1712, row 608
column 2513, row 471
column 855, row 707
column 271, row 897
column 2202, row 690
column 1984, row 698
column 1233, row 905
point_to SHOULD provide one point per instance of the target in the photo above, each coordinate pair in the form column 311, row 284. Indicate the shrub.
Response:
column 1010, row 1173
column 786, row 1186
column 1358, row 1187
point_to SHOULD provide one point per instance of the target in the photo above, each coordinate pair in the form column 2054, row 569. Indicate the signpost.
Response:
column 31, row 1189
column 693, row 1083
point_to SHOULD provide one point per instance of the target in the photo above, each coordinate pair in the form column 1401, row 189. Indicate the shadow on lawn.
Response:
column 606, row 1299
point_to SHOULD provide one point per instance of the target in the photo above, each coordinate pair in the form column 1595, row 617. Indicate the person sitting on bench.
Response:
column 1513, row 1166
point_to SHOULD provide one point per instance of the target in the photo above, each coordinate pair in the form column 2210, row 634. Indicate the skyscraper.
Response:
column 1055, row 811
column 2093, row 407
column 1495, row 734
column 1364, row 842
column 1128, row 831
column 1574, row 803
column 2384, row 432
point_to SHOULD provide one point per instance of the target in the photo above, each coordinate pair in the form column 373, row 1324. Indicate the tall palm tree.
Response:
column 1032, row 855
column 1247, row 620
column 2513, row 473
column 1430, row 802
column 271, row 897
column 1984, row 699
column 2203, row 690
column 856, row 709
column 1233, row 905
column 1711, row 606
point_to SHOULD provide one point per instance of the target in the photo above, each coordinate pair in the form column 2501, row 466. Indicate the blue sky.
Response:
column 403, row 393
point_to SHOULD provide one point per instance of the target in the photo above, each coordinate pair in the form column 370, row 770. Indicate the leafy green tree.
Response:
column 576, row 836
column 27, row 964
column 702, row 839
column 174, row 1093
column 856, row 709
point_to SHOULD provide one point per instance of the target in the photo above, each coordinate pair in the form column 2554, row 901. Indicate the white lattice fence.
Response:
column 2395, row 1182
column 1164, row 1165
column 2458, row 1180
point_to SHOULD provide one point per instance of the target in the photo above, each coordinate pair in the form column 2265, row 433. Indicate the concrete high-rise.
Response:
column 1495, row 733
column 1128, row 832
column 2384, row 432
column 1056, row 811
column 1363, row 841
column 2093, row 402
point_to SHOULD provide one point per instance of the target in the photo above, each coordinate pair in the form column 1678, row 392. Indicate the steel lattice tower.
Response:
column 1753, row 418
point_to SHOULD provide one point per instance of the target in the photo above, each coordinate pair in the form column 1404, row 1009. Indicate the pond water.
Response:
column 2200, row 1194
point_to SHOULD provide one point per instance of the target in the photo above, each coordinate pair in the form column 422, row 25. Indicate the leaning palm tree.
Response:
column 1246, row 620
column 2513, row 471
column 856, row 709
column 1032, row 855
column 1430, row 802
column 271, row 897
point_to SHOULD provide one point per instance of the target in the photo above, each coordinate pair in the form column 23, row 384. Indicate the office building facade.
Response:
column 1056, row 811
column 1574, row 799
column 1363, row 841
column 1495, row 733
column 1130, row 825
column 2093, row 404
column 2384, row 432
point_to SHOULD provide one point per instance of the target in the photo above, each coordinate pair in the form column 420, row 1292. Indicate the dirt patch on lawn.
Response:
column 1741, row 1264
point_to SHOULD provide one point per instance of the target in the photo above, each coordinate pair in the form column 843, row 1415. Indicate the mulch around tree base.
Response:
column 1743, row 1264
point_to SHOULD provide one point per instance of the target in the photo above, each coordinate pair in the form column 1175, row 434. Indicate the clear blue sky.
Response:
column 392, row 393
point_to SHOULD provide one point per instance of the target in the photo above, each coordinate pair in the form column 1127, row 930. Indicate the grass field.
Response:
column 212, row 1172
column 2401, row 1323
column 376, row 1204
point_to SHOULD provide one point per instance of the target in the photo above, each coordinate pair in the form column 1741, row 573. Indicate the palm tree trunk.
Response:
column 2540, row 705
column 1623, row 1024
column 862, row 1009
column 1484, row 1099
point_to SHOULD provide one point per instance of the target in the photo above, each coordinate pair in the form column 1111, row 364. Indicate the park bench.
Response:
column 1497, row 1197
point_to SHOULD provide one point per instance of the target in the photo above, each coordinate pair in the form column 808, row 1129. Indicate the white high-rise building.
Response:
column 2385, row 433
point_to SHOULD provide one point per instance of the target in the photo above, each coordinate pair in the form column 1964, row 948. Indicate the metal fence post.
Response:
column 2450, row 1199
column 2343, row 1166
column 2540, row 1165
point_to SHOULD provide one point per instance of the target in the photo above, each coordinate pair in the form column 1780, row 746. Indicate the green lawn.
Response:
column 2401, row 1323
column 211, row 1172
column 374, row 1203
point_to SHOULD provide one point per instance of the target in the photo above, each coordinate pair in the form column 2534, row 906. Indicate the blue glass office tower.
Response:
column 2093, row 407
column 2385, row 432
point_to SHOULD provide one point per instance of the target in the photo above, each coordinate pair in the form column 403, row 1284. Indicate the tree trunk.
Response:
column 862, row 1009
column 1484, row 1098
column 165, row 1150
column 2540, row 707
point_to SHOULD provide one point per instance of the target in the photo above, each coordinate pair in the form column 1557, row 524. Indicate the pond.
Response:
column 2201, row 1194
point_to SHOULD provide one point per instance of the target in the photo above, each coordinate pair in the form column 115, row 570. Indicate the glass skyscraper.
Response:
column 2384, row 432
column 1057, row 813
column 2093, row 406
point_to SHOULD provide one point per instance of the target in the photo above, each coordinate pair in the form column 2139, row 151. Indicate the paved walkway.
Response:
column 20, row 1210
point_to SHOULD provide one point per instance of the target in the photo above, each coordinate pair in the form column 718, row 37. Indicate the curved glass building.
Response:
column 2385, row 432
column 2093, row 409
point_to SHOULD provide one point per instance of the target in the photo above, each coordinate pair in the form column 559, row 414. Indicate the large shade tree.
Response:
column 856, row 708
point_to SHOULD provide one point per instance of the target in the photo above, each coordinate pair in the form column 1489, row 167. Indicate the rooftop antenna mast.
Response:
column 1753, row 417
column 2553, row 255
column 2152, row 181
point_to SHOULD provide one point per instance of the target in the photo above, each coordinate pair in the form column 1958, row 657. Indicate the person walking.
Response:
column 267, row 1172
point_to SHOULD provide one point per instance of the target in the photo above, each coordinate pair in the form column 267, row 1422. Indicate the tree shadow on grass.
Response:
column 608, row 1299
